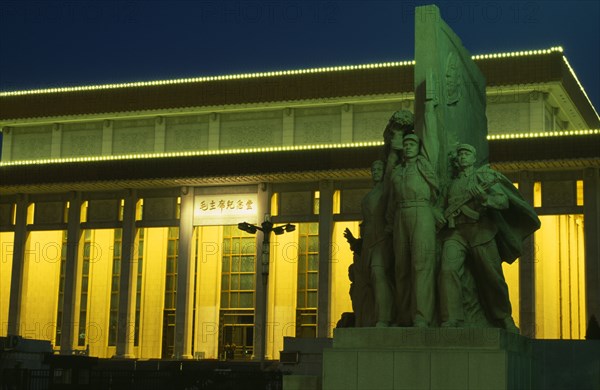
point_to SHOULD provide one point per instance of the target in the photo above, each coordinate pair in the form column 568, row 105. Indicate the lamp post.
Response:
column 266, row 227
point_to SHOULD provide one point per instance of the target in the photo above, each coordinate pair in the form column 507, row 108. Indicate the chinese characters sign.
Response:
column 225, row 209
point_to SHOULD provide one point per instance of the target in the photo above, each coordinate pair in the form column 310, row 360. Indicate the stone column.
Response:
column 19, row 269
column 185, row 278
column 591, row 217
column 262, row 276
column 325, row 233
column 527, row 268
column 127, row 281
column 72, row 273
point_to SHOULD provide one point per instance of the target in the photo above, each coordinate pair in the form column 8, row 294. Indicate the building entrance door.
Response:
column 168, row 339
column 237, row 336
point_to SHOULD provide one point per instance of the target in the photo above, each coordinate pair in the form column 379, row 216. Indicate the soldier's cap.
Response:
column 412, row 137
column 465, row 147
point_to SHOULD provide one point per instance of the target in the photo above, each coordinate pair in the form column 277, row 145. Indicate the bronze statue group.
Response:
column 431, row 254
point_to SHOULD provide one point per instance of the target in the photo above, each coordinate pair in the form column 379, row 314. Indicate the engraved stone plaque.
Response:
column 225, row 209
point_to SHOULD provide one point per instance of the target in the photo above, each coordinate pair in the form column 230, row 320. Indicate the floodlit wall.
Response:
column 341, row 259
column 40, row 295
column 560, row 278
column 208, row 290
column 511, row 274
column 559, row 268
column 100, row 270
column 6, row 256
column 559, row 296
column 153, row 293
column 282, row 298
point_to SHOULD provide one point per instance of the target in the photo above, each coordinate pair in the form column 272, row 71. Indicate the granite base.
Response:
column 432, row 358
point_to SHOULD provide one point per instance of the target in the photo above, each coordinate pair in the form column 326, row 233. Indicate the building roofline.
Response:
column 138, row 84
column 500, row 69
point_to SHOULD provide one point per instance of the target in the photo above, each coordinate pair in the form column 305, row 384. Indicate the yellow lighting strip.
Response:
column 210, row 78
column 518, row 53
column 543, row 134
column 275, row 149
column 263, row 74
column 580, row 86
column 193, row 153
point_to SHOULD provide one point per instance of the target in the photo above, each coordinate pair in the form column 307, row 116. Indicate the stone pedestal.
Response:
column 434, row 358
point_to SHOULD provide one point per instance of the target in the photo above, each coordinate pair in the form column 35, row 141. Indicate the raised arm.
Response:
column 430, row 138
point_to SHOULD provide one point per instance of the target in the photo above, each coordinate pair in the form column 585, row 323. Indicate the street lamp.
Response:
column 266, row 227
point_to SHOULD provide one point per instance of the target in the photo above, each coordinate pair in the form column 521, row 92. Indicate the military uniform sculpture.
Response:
column 376, row 249
column 414, row 191
column 483, row 223
column 478, row 203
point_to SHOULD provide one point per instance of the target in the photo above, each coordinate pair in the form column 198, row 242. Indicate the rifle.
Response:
column 453, row 210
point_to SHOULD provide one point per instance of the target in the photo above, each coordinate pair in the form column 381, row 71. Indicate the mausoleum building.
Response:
column 119, row 204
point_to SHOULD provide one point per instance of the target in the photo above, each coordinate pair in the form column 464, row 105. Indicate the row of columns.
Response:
column 185, row 282
column 591, row 213
column 128, row 278
column 185, row 273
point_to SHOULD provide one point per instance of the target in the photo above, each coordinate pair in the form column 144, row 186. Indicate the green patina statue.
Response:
column 486, row 222
column 479, row 220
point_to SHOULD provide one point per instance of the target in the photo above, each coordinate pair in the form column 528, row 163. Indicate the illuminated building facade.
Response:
column 119, row 204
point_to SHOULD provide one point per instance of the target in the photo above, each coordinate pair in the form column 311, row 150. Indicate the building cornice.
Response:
column 517, row 68
column 343, row 161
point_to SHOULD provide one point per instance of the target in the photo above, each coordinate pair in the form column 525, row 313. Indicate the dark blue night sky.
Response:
column 65, row 43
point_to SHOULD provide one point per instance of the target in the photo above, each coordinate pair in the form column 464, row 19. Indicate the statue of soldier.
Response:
column 412, row 216
column 376, row 245
column 487, row 220
column 371, row 289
